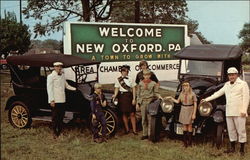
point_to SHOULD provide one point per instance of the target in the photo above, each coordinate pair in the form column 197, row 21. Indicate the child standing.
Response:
column 147, row 91
column 188, row 111
column 98, row 101
column 125, row 92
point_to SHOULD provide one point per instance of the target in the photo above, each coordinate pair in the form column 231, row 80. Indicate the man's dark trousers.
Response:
column 57, row 118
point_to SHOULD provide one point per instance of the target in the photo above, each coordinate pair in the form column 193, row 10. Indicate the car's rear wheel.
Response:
column 111, row 121
column 19, row 115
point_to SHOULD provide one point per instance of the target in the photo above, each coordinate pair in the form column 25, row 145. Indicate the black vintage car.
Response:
column 205, row 67
column 30, row 102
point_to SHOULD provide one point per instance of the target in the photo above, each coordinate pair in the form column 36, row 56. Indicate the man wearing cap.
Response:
column 56, row 84
column 237, row 101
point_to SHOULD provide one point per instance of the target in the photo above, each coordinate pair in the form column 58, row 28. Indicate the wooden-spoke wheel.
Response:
column 111, row 121
column 19, row 115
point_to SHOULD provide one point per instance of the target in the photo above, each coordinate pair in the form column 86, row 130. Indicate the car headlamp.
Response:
column 167, row 106
column 205, row 109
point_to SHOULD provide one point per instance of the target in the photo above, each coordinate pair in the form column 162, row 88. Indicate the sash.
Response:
column 123, row 84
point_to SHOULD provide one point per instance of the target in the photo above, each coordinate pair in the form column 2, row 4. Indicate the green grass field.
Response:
column 37, row 143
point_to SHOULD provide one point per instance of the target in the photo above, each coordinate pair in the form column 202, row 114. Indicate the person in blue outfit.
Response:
column 97, row 103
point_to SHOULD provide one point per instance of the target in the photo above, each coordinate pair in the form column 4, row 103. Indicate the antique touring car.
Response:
column 30, row 102
column 204, row 66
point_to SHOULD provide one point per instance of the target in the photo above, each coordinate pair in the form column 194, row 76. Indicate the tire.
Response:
column 154, row 129
column 112, row 122
column 171, row 134
column 4, row 67
column 19, row 115
column 219, row 136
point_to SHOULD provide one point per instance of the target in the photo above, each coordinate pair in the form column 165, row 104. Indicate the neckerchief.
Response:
column 146, row 82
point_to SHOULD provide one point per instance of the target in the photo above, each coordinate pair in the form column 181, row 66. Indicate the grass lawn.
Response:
column 37, row 142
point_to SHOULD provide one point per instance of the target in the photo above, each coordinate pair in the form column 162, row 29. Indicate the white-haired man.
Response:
column 56, row 84
column 237, row 101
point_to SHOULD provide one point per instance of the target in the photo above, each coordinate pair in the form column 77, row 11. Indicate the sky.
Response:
column 219, row 21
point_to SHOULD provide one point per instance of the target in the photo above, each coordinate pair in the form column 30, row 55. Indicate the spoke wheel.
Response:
column 19, row 115
column 111, row 120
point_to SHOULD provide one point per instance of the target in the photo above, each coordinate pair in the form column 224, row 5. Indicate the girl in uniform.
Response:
column 125, row 92
column 188, row 101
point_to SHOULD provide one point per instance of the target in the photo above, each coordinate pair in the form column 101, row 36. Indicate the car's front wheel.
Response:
column 19, row 115
column 219, row 135
column 155, row 127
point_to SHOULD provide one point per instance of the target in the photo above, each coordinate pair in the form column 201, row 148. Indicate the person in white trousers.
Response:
column 56, row 84
column 237, row 101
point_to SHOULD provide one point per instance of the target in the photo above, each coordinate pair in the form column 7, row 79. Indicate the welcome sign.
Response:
column 126, row 44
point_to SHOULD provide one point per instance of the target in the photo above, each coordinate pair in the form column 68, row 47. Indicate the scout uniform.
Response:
column 56, row 84
column 139, row 77
column 187, row 107
column 237, row 101
column 96, row 108
column 125, row 96
column 146, row 92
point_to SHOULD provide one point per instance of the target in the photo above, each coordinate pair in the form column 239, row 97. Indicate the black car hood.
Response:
column 201, row 83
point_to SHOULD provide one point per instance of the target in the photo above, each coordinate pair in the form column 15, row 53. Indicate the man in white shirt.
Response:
column 237, row 101
column 56, row 84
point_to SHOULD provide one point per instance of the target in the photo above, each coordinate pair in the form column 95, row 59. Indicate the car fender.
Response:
column 153, row 107
column 219, row 114
column 13, row 99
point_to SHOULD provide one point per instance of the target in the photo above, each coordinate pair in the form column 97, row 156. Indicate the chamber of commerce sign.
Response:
column 111, row 42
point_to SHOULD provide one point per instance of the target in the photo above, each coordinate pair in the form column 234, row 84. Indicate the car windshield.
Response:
column 207, row 68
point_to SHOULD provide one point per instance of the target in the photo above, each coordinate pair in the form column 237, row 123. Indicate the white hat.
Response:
column 57, row 64
column 232, row 70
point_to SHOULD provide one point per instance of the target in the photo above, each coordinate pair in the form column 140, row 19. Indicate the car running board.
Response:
column 67, row 117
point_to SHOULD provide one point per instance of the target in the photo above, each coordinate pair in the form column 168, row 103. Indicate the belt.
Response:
column 124, row 92
column 188, row 105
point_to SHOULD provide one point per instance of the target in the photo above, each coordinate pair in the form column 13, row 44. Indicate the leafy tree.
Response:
column 14, row 36
column 151, row 11
column 244, row 35
column 146, row 11
column 155, row 11
column 85, row 10
column 48, row 43
column 36, row 44
column 51, row 43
